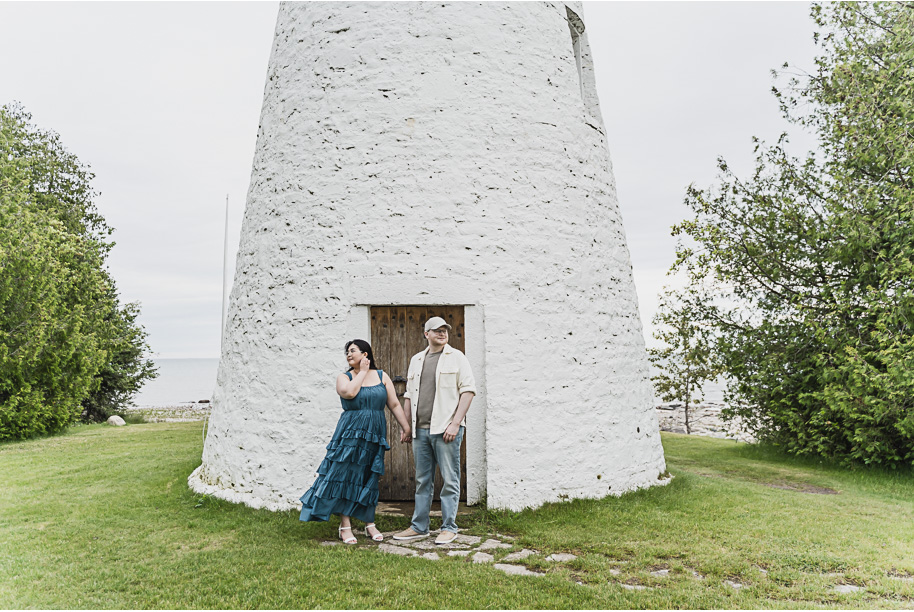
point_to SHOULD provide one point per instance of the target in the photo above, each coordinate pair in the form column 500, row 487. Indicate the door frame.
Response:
column 358, row 325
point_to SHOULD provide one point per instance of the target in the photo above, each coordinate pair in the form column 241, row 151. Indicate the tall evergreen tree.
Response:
column 67, row 345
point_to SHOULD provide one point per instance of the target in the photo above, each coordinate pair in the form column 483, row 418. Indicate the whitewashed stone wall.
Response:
column 448, row 153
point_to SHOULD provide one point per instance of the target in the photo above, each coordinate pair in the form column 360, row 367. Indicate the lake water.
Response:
column 714, row 392
column 180, row 381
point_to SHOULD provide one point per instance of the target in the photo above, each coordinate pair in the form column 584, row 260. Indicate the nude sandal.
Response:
column 350, row 540
column 376, row 538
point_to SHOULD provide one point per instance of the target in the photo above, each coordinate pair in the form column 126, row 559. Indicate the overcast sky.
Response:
column 163, row 101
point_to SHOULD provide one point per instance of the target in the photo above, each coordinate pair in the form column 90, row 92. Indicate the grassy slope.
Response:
column 102, row 518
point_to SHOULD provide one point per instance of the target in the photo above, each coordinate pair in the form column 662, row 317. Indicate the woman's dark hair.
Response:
column 365, row 348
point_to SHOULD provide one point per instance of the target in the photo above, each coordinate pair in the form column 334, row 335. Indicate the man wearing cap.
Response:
column 441, row 383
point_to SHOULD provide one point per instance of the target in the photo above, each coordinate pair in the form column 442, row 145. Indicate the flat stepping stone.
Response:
column 661, row 573
column 458, row 553
column 561, row 557
column 450, row 546
column 467, row 539
column 633, row 587
column 846, row 588
column 492, row 544
column 396, row 550
column 733, row 585
column 516, row 570
column 615, row 572
column 329, row 543
column 431, row 556
column 429, row 544
column 521, row 554
column 482, row 557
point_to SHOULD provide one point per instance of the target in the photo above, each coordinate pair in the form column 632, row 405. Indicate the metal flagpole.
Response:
column 225, row 254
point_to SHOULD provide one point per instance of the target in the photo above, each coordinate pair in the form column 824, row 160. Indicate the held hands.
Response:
column 406, row 436
column 451, row 432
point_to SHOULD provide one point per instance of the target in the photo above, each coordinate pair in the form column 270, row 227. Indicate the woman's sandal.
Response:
column 376, row 538
column 350, row 540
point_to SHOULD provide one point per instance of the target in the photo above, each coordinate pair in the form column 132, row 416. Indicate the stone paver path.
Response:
column 498, row 551
column 492, row 543
column 501, row 554
column 482, row 557
column 516, row 570
column 521, row 554
column 483, row 551
column 396, row 550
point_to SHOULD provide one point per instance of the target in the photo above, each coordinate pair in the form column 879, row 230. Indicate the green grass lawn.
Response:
column 102, row 518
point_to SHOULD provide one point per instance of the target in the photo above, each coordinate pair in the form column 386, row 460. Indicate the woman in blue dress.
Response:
column 347, row 479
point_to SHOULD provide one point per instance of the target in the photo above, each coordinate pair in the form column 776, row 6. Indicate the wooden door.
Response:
column 396, row 335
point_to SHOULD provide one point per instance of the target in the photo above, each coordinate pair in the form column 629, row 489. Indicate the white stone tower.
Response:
column 436, row 153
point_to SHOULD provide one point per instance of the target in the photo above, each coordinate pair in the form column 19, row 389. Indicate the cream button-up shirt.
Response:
column 453, row 377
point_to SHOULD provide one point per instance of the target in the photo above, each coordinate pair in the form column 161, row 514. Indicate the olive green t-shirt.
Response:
column 427, row 387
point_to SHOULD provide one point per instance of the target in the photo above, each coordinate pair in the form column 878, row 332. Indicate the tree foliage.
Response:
column 812, row 259
column 126, row 368
column 67, row 346
column 685, row 361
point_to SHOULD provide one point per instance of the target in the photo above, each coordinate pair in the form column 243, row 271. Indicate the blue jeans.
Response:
column 429, row 450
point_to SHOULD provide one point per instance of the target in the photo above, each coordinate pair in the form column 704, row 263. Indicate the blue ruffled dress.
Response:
column 347, row 479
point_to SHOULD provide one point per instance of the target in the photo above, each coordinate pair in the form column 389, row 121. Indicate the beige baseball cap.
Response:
column 435, row 323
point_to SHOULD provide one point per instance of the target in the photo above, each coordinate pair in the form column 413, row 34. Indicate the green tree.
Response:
column 126, row 369
column 67, row 346
column 685, row 361
column 814, row 257
column 49, row 351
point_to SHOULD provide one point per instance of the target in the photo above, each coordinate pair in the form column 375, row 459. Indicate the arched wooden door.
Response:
column 396, row 335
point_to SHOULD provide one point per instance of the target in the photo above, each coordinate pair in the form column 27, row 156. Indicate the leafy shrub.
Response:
column 812, row 261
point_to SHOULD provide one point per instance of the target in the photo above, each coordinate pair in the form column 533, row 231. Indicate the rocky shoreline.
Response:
column 704, row 420
column 177, row 413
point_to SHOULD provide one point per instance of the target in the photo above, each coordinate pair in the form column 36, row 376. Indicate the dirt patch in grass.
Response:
column 802, row 487
column 799, row 487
